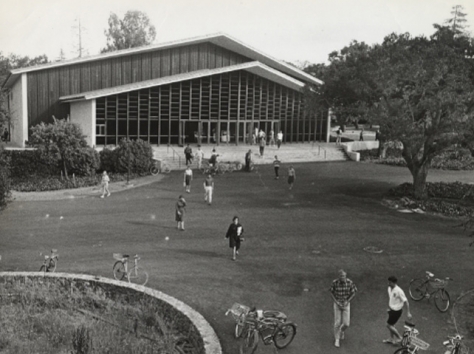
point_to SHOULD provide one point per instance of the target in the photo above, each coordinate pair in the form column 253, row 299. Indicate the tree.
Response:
column 426, row 92
column 62, row 140
column 457, row 23
column 133, row 31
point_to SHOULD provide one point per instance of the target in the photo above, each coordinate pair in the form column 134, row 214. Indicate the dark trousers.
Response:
column 262, row 148
column 247, row 165
column 278, row 143
column 276, row 171
column 189, row 159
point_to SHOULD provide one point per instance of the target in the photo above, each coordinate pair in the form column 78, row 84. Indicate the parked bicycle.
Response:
column 135, row 274
column 453, row 344
column 429, row 286
column 415, row 345
column 159, row 166
column 50, row 262
column 409, row 332
column 220, row 167
column 270, row 326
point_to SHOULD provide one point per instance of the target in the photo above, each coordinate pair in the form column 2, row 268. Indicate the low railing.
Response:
column 319, row 150
column 176, row 155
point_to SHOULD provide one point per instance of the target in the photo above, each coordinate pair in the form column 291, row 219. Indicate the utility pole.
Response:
column 80, row 51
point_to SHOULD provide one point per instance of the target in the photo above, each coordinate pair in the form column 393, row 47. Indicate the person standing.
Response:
column 199, row 156
column 248, row 160
column 342, row 291
column 234, row 234
column 262, row 144
column 180, row 211
column 209, row 189
column 188, row 177
column 188, row 153
column 396, row 300
column 276, row 166
column 338, row 136
column 279, row 138
column 105, row 184
column 272, row 138
column 361, row 137
column 291, row 176
column 256, row 134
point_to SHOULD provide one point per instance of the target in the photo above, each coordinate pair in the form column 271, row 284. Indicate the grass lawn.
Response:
column 295, row 241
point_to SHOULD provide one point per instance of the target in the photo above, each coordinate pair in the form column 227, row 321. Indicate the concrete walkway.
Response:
column 174, row 156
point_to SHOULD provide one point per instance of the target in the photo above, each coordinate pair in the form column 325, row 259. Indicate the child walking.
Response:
column 105, row 184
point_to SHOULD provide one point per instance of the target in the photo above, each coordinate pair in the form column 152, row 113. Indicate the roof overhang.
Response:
column 219, row 39
column 252, row 67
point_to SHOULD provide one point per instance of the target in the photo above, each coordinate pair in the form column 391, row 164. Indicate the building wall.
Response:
column 83, row 113
column 237, row 101
column 46, row 86
column 19, row 124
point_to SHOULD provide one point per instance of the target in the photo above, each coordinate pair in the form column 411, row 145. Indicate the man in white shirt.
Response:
column 397, row 299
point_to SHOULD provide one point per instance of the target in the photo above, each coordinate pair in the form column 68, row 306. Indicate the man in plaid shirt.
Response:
column 342, row 292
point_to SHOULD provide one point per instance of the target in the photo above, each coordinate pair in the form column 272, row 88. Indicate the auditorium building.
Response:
column 209, row 90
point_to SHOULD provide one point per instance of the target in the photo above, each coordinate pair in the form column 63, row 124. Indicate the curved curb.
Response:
column 453, row 317
column 208, row 335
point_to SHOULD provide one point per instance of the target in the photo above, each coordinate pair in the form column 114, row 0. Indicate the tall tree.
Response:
column 458, row 23
column 133, row 30
column 426, row 92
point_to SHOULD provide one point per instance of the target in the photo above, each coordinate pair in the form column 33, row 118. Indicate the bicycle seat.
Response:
column 125, row 256
column 431, row 275
column 409, row 324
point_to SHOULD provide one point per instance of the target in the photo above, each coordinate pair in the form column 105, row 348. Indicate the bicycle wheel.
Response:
column 251, row 341
column 417, row 289
column 284, row 335
column 441, row 300
column 238, row 166
column 402, row 351
column 51, row 265
column 239, row 326
column 138, row 276
column 119, row 271
column 154, row 170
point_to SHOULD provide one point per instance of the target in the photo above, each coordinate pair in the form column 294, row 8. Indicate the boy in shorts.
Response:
column 397, row 299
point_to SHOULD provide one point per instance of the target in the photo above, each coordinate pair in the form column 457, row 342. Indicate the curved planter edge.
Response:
column 208, row 335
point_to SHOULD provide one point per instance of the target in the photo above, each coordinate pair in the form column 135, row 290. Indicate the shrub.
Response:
column 26, row 163
column 85, row 162
column 108, row 160
column 5, row 182
column 136, row 152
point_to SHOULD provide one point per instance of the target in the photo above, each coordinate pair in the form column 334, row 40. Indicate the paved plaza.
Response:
column 295, row 241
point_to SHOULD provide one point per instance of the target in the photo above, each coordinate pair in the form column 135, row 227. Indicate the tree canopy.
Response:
column 419, row 90
column 134, row 30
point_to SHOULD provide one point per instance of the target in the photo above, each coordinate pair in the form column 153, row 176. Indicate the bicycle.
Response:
column 429, row 286
column 453, row 344
column 271, row 326
column 135, row 273
column 409, row 332
column 415, row 345
column 159, row 166
column 50, row 262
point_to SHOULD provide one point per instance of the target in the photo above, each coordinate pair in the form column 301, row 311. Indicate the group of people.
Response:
column 343, row 291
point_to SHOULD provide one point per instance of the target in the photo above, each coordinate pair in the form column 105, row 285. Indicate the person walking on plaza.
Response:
column 234, row 234
column 279, row 138
column 291, row 176
column 199, row 155
column 248, row 160
column 397, row 299
column 180, row 211
column 338, row 136
column 209, row 189
column 188, row 177
column 342, row 291
column 105, row 184
column 262, row 144
column 188, row 153
column 276, row 166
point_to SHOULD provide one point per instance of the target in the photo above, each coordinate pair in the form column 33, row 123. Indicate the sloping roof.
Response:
column 219, row 39
column 253, row 67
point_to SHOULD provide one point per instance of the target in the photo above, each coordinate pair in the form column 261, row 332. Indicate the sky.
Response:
column 295, row 31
